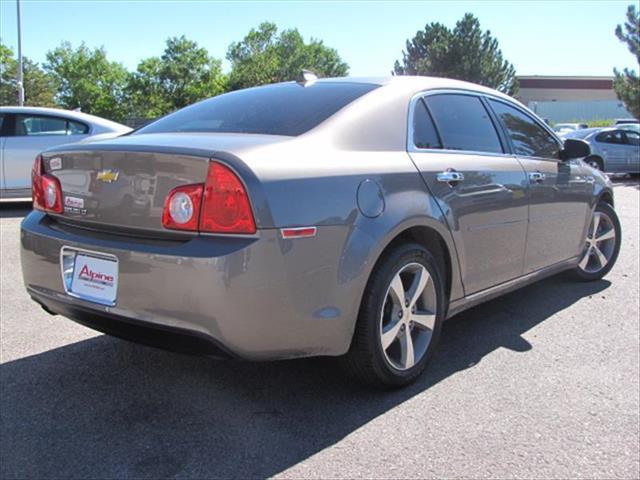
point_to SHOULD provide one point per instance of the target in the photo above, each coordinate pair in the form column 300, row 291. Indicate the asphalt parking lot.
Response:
column 543, row 383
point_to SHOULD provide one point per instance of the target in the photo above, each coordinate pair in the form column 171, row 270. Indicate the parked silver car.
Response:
column 613, row 150
column 26, row 131
column 339, row 217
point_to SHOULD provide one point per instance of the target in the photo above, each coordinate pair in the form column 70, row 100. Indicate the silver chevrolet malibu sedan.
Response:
column 337, row 217
column 613, row 150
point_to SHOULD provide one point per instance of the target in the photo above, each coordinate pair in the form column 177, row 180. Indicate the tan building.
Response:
column 565, row 89
column 566, row 99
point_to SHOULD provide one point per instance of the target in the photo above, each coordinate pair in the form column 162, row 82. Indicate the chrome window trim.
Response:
column 412, row 148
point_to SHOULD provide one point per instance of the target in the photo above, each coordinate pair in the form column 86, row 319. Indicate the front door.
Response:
column 481, row 189
column 559, row 192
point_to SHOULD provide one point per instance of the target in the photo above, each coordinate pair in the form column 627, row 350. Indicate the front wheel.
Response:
column 399, row 320
column 602, row 244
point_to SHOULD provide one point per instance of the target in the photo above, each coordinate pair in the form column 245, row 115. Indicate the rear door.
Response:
column 481, row 188
column 632, row 145
column 33, row 134
column 613, row 149
column 559, row 191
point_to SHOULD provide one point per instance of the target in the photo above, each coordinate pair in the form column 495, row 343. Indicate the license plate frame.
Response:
column 89, row 275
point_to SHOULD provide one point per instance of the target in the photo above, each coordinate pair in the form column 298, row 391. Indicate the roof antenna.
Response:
column 306, row 78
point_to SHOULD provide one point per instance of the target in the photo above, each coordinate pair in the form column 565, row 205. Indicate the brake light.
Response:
column 220, row 205
column 182, row 208
column 45, row 189
column 226, row 207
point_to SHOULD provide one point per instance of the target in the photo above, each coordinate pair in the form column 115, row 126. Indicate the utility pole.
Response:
column 19, row 75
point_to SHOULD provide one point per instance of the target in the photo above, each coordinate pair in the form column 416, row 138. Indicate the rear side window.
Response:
column 613, row 136
column 76, row 128
column 281, row 109
column 464, row 123
column 529, row 139
column 424, row 131
column 37, row 125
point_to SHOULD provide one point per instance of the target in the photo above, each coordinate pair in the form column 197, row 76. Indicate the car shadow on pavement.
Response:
column 105, row 408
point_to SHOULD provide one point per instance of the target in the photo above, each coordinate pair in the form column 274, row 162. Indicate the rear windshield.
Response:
column 281, row 109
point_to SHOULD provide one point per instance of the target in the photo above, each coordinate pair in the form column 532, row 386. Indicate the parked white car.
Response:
column 563, row 128
column 26, row 131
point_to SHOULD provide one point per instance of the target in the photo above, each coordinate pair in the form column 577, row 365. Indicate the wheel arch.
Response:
column 430, row 239
column 607, row 197
column 595, row 156
column 434, row 235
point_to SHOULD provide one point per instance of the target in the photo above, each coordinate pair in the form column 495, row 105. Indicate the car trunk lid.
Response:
column 121, row 189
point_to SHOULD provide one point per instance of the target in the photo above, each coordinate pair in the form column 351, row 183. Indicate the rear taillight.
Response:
column 45, row 189
column 220, row 205
column 225, row 207
column 182, row 208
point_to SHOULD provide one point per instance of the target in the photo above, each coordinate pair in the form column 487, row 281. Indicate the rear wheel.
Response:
column 399, row 320
column 602, row 244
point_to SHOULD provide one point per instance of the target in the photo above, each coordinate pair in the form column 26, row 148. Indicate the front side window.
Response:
column 463, row 123
column 38, row 125
column 612, row 136
column 424, row 131
column 633, row 138
column 529, row 139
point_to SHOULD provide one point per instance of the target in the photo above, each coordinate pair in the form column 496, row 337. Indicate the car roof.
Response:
column 106, row 125
column 418, row 83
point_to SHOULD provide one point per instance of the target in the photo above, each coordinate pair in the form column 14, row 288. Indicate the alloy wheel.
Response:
column 408, row 316
column 599, row 245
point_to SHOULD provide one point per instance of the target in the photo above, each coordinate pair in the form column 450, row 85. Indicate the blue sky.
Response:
column 538, row 37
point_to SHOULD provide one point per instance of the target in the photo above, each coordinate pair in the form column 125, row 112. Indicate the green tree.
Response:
column 464, row 52
column 184, row 74
column 264, row 56
column 86, row 79
column 627, row 83
column 38, row 86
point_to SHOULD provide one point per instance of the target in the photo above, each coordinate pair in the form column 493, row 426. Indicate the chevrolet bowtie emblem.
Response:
column 107, row 176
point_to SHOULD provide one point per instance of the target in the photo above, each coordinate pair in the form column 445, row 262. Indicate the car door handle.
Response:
column 450, row 177
column 536, row 177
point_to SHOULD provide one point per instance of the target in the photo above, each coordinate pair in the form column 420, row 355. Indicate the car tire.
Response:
column 590, row 267
column 595, row 162
column 381, row 313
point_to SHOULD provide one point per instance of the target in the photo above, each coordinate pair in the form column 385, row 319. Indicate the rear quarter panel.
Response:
column 318, row 186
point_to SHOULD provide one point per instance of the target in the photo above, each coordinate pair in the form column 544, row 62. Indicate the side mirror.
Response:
column 574, row 148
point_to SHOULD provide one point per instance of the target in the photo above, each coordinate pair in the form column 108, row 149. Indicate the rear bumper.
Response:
column 255, row 298
column 155, row 335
